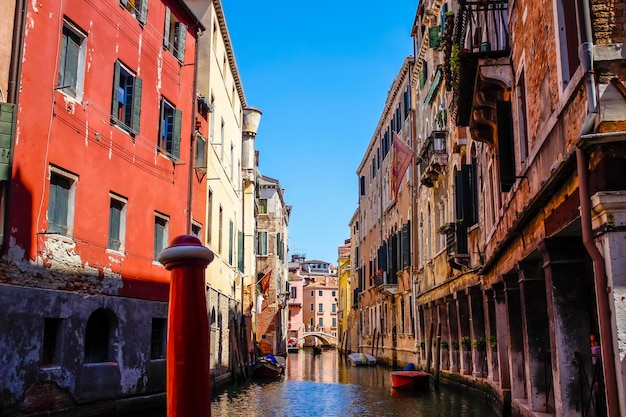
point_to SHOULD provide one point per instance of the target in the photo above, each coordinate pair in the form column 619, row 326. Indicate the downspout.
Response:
column 600, row 278
column 192, row 145
column 13, row 97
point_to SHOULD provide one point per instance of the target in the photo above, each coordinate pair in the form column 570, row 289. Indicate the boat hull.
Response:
column 361, row 359
column 409, row 380
column 267, row 369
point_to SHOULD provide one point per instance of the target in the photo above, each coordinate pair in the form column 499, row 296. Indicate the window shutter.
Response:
column 240, row 251
column 506, row 156
column 406, row 245
column 61, row 81
column 142, row 15
column 136, row 119
column 178, row 117
column 116, row 84
column 166, row 32
column 181, row 35
column 7, row 117
column 71, row 62
column 434, row 37
column 124, row 3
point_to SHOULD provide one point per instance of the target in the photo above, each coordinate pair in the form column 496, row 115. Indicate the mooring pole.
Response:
column 188, row 375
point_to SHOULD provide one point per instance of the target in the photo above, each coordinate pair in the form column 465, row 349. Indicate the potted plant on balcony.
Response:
column 448, row 227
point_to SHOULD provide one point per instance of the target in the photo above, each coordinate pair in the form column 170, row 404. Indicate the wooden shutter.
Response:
column 181, row 36
column 135, row 118
column 406, row 245
column 178, row 116
column 166, row 32
column 115, row 215
column 434, row 37
column 506, row 145
column 116, row 85
column 240, row 251
column 7, row 131
column 142, row 13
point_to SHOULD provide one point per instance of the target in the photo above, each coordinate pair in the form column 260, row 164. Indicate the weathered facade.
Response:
column 272, row 314
column 227, row 176
column 383, row 270
column 518, row 227
column 98, row 179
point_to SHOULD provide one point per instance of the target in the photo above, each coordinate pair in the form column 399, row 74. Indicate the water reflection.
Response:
column 326, row 385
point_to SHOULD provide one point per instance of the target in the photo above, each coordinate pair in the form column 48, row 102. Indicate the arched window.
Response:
column 99, row 334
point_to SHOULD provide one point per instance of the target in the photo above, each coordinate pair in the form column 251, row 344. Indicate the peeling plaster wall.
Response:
column 22, row 316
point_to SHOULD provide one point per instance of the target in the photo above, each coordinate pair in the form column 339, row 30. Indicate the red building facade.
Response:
column 102, row 179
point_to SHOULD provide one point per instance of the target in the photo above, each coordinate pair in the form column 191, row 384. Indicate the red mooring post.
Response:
column 188, row 374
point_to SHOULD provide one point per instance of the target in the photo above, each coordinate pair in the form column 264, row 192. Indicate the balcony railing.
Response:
column 432, row 157
column 482, row 26
column 480, row 32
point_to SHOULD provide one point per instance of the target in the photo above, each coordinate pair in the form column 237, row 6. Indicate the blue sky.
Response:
column 320, row 73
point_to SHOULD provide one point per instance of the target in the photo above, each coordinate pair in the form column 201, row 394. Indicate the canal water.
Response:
column 327, row 386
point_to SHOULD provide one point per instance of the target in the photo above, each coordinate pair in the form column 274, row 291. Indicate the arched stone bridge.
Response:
column 326, row 338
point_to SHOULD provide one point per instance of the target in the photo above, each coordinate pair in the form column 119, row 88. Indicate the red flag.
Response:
column 401, row 159
column 265, row 282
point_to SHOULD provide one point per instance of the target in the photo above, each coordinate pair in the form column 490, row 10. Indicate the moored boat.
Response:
column 268, row 367
column 361, row 359
column 409, row 380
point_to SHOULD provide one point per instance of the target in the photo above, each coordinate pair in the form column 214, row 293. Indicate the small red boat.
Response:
column 409, row 380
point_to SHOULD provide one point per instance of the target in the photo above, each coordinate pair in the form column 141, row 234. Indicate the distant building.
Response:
column 344, row 298
column 272, row 314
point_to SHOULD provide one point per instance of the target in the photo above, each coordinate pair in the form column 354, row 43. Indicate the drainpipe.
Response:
column 192, row 145
column 15, row 71
column 600, row 278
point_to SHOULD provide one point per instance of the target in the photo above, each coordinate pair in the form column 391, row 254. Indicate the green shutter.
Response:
column 124, row 3
column 116, row 85
column 178, row 117
column 61, row 81
column 136, row 117
column 7, row 129
column 166, row 33
column 181, row 36
column 240, row 251
column 142, row 15
column 434, row 37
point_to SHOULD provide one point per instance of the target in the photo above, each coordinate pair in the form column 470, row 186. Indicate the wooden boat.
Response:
column 317, row 350
column 409, row 380
column 292, row 348
column 361, row 359
column 268, row 367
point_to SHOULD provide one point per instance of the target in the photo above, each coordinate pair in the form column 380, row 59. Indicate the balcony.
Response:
column 480, row 65
column 433, row 157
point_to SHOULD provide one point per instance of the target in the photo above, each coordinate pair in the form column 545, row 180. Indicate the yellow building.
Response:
column 344, row 301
